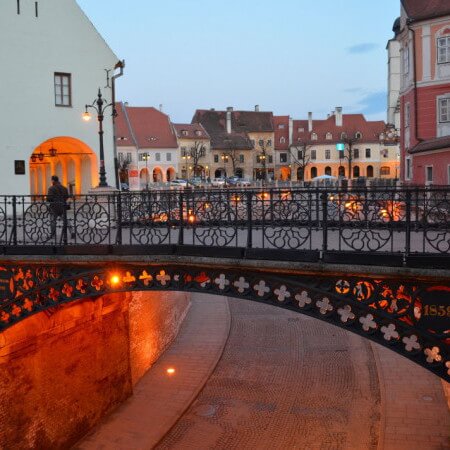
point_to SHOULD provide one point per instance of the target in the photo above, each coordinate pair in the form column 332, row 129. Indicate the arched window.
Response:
column 385, row 171
column 282, row 140
column 355, row 171
column 300, row 174
column 313, row 172
column 369, row 171
column 358, row 135
column 329, row 136
column 341, row 171
column 328, row 170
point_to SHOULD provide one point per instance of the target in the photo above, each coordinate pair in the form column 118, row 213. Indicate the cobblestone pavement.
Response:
column 285, row 381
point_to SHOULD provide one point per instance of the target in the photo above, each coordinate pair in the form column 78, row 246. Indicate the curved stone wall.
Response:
column 63, row 370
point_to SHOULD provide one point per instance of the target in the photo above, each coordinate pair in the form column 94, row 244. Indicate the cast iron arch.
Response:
column 385, row 311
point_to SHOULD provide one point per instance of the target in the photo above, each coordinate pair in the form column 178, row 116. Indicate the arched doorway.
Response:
column 219, row 173
column 285, row 173
column 369, row 171
column 170, row 174
column 157, row 175
column 328, row 170
column 239, row 172
column 341, row 171
column 313, row 172
column 300, row 174
column 144, row 178
column 70, row 159
column 356, row 171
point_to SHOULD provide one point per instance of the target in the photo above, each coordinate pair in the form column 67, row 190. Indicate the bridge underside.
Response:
column 406, row 313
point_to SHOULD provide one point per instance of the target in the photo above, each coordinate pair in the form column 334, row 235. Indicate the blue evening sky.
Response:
column 288, row 56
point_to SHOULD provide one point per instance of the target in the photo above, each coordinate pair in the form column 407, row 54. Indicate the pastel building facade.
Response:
column 44, row 89
column 424, row 38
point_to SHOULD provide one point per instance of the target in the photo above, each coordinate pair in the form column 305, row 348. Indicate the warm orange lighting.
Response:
column 86, row 116
column 115, row 279
column 170, row 371
column 191, row 218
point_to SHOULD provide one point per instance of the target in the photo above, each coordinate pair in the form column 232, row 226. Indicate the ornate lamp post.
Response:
column 145, row 157
column 225, row 160
column 100, row 105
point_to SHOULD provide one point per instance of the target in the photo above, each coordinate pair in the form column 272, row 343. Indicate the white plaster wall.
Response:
column 61, row 39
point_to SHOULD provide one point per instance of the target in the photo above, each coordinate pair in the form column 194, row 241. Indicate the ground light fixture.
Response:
column 170, row 371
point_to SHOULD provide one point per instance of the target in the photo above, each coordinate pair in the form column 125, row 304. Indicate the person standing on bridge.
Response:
column 57, row 197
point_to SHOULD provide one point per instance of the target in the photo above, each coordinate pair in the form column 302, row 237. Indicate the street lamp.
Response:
column 100, row 105
column 145, row 157
column 186, row 157
column 225, row 160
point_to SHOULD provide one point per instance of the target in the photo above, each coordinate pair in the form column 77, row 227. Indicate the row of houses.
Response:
column 256, row 145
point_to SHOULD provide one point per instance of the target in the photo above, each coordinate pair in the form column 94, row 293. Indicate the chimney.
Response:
column 229, row 111
column 125, row 104
column 160, row 107
column 339, row 116
column 310, row 122
column 256, row 108
column 291, row 130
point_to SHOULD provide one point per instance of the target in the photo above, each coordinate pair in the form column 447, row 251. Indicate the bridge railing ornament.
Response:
column 377, row 220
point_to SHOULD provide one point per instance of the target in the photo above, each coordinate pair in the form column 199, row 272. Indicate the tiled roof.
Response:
column 426, row 9
column 281, row 126
column 145, row 127
column 242, row 123
column 190, row 131
column 431, row 144
column 351, row 124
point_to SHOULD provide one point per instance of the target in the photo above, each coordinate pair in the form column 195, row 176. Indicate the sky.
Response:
column 288, row 56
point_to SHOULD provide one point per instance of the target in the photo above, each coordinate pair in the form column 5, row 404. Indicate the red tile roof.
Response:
column 144, row 127
column 431, row 144
column 351, row 124
column 426, row 9
column 242, row 123
column 190, row 131
column 281, row 126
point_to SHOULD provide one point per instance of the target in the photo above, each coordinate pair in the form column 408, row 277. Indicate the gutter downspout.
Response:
column 120, row 65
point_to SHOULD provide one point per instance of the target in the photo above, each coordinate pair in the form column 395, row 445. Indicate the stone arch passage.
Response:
column 367, row 306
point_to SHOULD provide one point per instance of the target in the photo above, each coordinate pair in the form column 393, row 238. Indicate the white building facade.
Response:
column 53, row 63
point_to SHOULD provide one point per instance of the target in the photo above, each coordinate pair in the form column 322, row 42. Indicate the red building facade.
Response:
column 424, row 37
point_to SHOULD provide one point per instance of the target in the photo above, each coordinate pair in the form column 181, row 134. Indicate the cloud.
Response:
column 362, row 48
column 373, row 103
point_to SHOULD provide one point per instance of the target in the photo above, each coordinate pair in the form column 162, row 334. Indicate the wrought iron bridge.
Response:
column 374, row 262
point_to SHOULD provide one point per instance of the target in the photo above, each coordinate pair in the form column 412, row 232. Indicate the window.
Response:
column 313, row 172
column 198, row 133
column 63, row 96
column 367, row 152
column 283, row 157
column 241, row 159
column 299, row 154
column 428, row 174
column 385, row 153
column 405, row 60
column 282, row 140
column 385, row 170
column 143, row 156
column 328, row 154
column 358, row 135
column 121, row 157
column 343, row 135
column 341, row 154
column 216, row 158
column 407, row 114
column 356, row 153
column 157, row 156
column 269, row 142
column 301, row 130
column 184, row 132
column 444, row 110
column 129, row 157
column 443, row 50
column 313, row 154
column 329, row 136
column 369, row 171
column 168, row 156
column 314, row 136
column 408, row 168
column 270, row 159
column 281, row 126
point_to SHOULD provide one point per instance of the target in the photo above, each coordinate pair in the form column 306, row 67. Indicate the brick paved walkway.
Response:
column 284, row 381
column 159, row 400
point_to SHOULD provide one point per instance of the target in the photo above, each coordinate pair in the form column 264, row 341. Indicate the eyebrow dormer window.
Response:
column 63, row 89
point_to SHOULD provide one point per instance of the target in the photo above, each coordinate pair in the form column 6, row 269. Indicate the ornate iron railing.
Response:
column 391, row 222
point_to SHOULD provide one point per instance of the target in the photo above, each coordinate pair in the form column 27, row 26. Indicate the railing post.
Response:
column 14, row 230
column 181, row 230
column 249, row 220
column 118, row 199
column 408, row 223
column 324, row 198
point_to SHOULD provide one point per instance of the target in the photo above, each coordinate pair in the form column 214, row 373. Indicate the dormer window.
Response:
column 314, row 136
column 198, row 133
column 343, row 135
column 184, row 132
column 358, row 135
column 329, row 136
